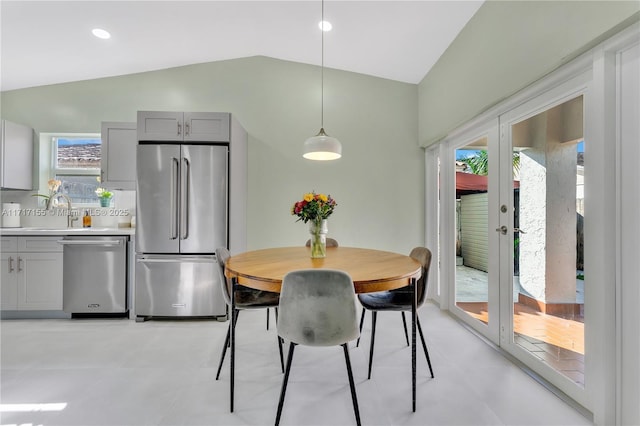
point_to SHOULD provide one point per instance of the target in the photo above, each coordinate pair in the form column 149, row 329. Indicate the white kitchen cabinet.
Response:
column 31, row 273
column 40, row 281
column 183, row 126
column 9, row 283
column 16, row 161
column 8, row 274
column 118, row 162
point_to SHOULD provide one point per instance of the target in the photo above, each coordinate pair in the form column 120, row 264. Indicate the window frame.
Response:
column 54, row 171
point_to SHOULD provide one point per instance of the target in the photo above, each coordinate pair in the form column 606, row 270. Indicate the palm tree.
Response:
column 479, row 162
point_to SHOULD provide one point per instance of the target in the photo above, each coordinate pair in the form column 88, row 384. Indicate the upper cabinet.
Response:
column 118, row 162
column 183, row 126
column 16, row 163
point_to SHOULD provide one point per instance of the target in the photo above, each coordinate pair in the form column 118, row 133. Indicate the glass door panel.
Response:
column 474, row 297
column 472, row 266
column 542, row 244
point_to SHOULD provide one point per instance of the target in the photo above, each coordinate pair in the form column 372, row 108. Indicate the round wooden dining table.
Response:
column 370, row 270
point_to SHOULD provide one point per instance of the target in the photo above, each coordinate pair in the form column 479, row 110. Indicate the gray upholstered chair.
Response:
column 398, row 300
column 318, row 308
column 330, row 243
column 239, row 298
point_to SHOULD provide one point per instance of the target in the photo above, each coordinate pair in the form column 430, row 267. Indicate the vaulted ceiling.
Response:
column 48, row 42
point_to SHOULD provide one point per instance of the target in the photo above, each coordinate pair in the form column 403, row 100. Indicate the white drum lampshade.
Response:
column 322, row 147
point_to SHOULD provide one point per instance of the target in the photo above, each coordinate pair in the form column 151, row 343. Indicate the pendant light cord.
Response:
column 322, row 24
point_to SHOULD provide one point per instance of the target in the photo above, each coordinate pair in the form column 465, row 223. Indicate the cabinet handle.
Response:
column 19, row 262
column 179, row 129
column 186, row 129
column 10, row 264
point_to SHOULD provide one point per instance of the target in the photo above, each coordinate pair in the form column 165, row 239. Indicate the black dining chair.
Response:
column 318, row 308
column 239, row 298
column 398, row 300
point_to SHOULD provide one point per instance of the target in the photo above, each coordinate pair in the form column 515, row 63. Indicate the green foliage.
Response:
column 479, row 163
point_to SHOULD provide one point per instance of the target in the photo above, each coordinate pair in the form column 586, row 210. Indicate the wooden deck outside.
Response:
column 556, row 340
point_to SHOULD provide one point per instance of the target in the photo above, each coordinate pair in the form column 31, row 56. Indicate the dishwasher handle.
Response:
column 90, row 242
column 182, row 259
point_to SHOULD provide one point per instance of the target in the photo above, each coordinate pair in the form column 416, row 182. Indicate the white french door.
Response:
column 557, row 236
column 511, row 230
column 474, row 282
column 541, row 247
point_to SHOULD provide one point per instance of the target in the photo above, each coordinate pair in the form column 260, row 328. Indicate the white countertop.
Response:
column 66, row 231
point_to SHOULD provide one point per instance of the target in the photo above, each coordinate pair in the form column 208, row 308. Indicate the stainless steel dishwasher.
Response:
column 94, row 275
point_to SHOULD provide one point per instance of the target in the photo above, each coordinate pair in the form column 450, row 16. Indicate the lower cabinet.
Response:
column 9, row 281
column 31, row 273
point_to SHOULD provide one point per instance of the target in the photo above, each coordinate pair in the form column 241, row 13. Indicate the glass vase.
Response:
column 318, row 230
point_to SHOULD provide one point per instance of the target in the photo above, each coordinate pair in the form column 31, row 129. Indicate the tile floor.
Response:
column 118, row 372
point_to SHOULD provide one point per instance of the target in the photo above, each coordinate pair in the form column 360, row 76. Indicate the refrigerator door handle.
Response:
column 175, row 184
column 186, row 175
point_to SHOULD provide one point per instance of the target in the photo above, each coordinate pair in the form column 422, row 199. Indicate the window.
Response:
column 76, row 162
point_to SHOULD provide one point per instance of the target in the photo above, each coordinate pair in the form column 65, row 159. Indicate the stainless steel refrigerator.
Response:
column 182, row 205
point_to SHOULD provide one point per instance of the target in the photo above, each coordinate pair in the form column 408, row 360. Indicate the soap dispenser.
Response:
column 86, row 219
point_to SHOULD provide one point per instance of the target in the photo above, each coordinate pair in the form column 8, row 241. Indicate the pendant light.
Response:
column 322, row 146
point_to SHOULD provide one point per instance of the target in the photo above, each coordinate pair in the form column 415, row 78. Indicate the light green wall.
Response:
column 506, row 46
column 378, row 183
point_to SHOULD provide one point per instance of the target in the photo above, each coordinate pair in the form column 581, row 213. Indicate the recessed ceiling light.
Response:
column 325, row 25
column 100, row 33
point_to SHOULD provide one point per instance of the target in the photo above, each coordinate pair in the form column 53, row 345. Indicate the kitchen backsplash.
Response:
column 32, row 213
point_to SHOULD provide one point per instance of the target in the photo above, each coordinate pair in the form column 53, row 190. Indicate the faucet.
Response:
column 70, row 217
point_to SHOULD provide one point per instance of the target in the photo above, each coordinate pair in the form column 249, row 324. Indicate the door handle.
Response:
column 519, row 230
column 186, row 173
column 179, row 128
column 175, row 166
column 186, row 129
column 11, row 264
column 19, row 261
column 502, row 230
